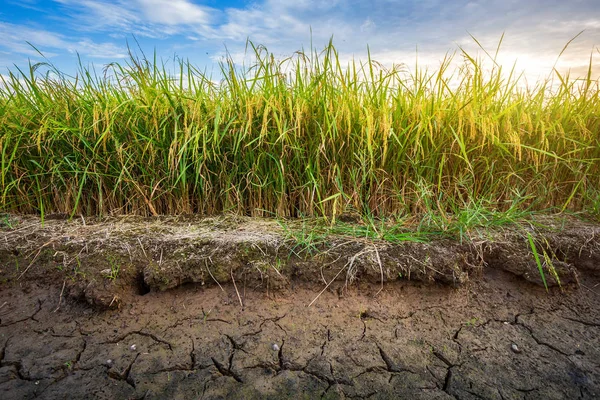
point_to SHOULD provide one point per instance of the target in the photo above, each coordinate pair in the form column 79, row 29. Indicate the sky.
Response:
column 395, row 31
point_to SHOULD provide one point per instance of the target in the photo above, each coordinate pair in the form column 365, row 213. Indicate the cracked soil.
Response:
column 495, row 336
column 409, row 341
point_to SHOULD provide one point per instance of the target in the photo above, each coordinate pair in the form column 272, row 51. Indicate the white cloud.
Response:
column 536, row 30
column 91, row 49
column 368, row 25
column 148, row 18
column 16, row 39
column 174, row 12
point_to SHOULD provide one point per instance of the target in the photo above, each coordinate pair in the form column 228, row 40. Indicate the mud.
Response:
column 495, row 334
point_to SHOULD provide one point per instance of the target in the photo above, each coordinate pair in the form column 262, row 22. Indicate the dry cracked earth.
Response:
column 497, row 338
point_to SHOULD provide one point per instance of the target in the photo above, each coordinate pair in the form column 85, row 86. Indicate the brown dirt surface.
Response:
column 219, row 308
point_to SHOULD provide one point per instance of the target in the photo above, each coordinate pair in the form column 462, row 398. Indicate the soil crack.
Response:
column 586, row 323
column 193, row 354
column 538, row 341
column 31, row 317
column 174, row 368
column 370, row 369
column 323, row 347
column 3, row 351
column 442, row 358
column 364, row 332
column 227, row 371
column 21, row 373
column 449, row 373
column 235, row 345
column 177, row 323
column 218, row 320
column 274, row 320
column 455, row 336
column 521, row 390
column 447, row 380
column 282, row 362
column 331, row 381
column 50, row 331
column 80, row 353
column 390, row 365
column 125, row 374
column 248, row 334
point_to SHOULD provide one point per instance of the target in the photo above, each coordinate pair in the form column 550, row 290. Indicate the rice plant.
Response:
column 303, row 136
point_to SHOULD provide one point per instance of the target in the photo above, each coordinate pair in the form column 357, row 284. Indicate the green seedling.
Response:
column 537, row 259
column 77, row 269
column 115, row 268
column 5, row 222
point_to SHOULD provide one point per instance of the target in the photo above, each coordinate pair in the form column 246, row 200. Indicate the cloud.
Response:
column 16, row 39
column 99, row 16
column 174, row 12
column 535, row 30
column 399, row 24
column 92, row 49
column 27, row 4
column 368, row 25
column 147, row 18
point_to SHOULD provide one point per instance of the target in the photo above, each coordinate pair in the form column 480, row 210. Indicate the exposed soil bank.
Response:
column 472, row 322
column 108, row 261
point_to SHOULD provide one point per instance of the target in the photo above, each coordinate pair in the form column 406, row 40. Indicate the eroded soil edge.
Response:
column 107, row 261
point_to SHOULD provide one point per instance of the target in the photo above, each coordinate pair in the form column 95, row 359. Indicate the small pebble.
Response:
column 133, row 347
column 109, row 362
column 515, row 348
column 275, row 347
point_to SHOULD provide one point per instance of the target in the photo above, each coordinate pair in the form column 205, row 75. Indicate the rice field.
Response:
column 307, row 136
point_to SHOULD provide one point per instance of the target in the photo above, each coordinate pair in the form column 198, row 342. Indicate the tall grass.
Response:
column 305, row 136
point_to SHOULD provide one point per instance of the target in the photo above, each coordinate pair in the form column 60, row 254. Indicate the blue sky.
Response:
column 200, row 30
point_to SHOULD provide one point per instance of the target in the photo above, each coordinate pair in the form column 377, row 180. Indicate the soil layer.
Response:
column 492, row 334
